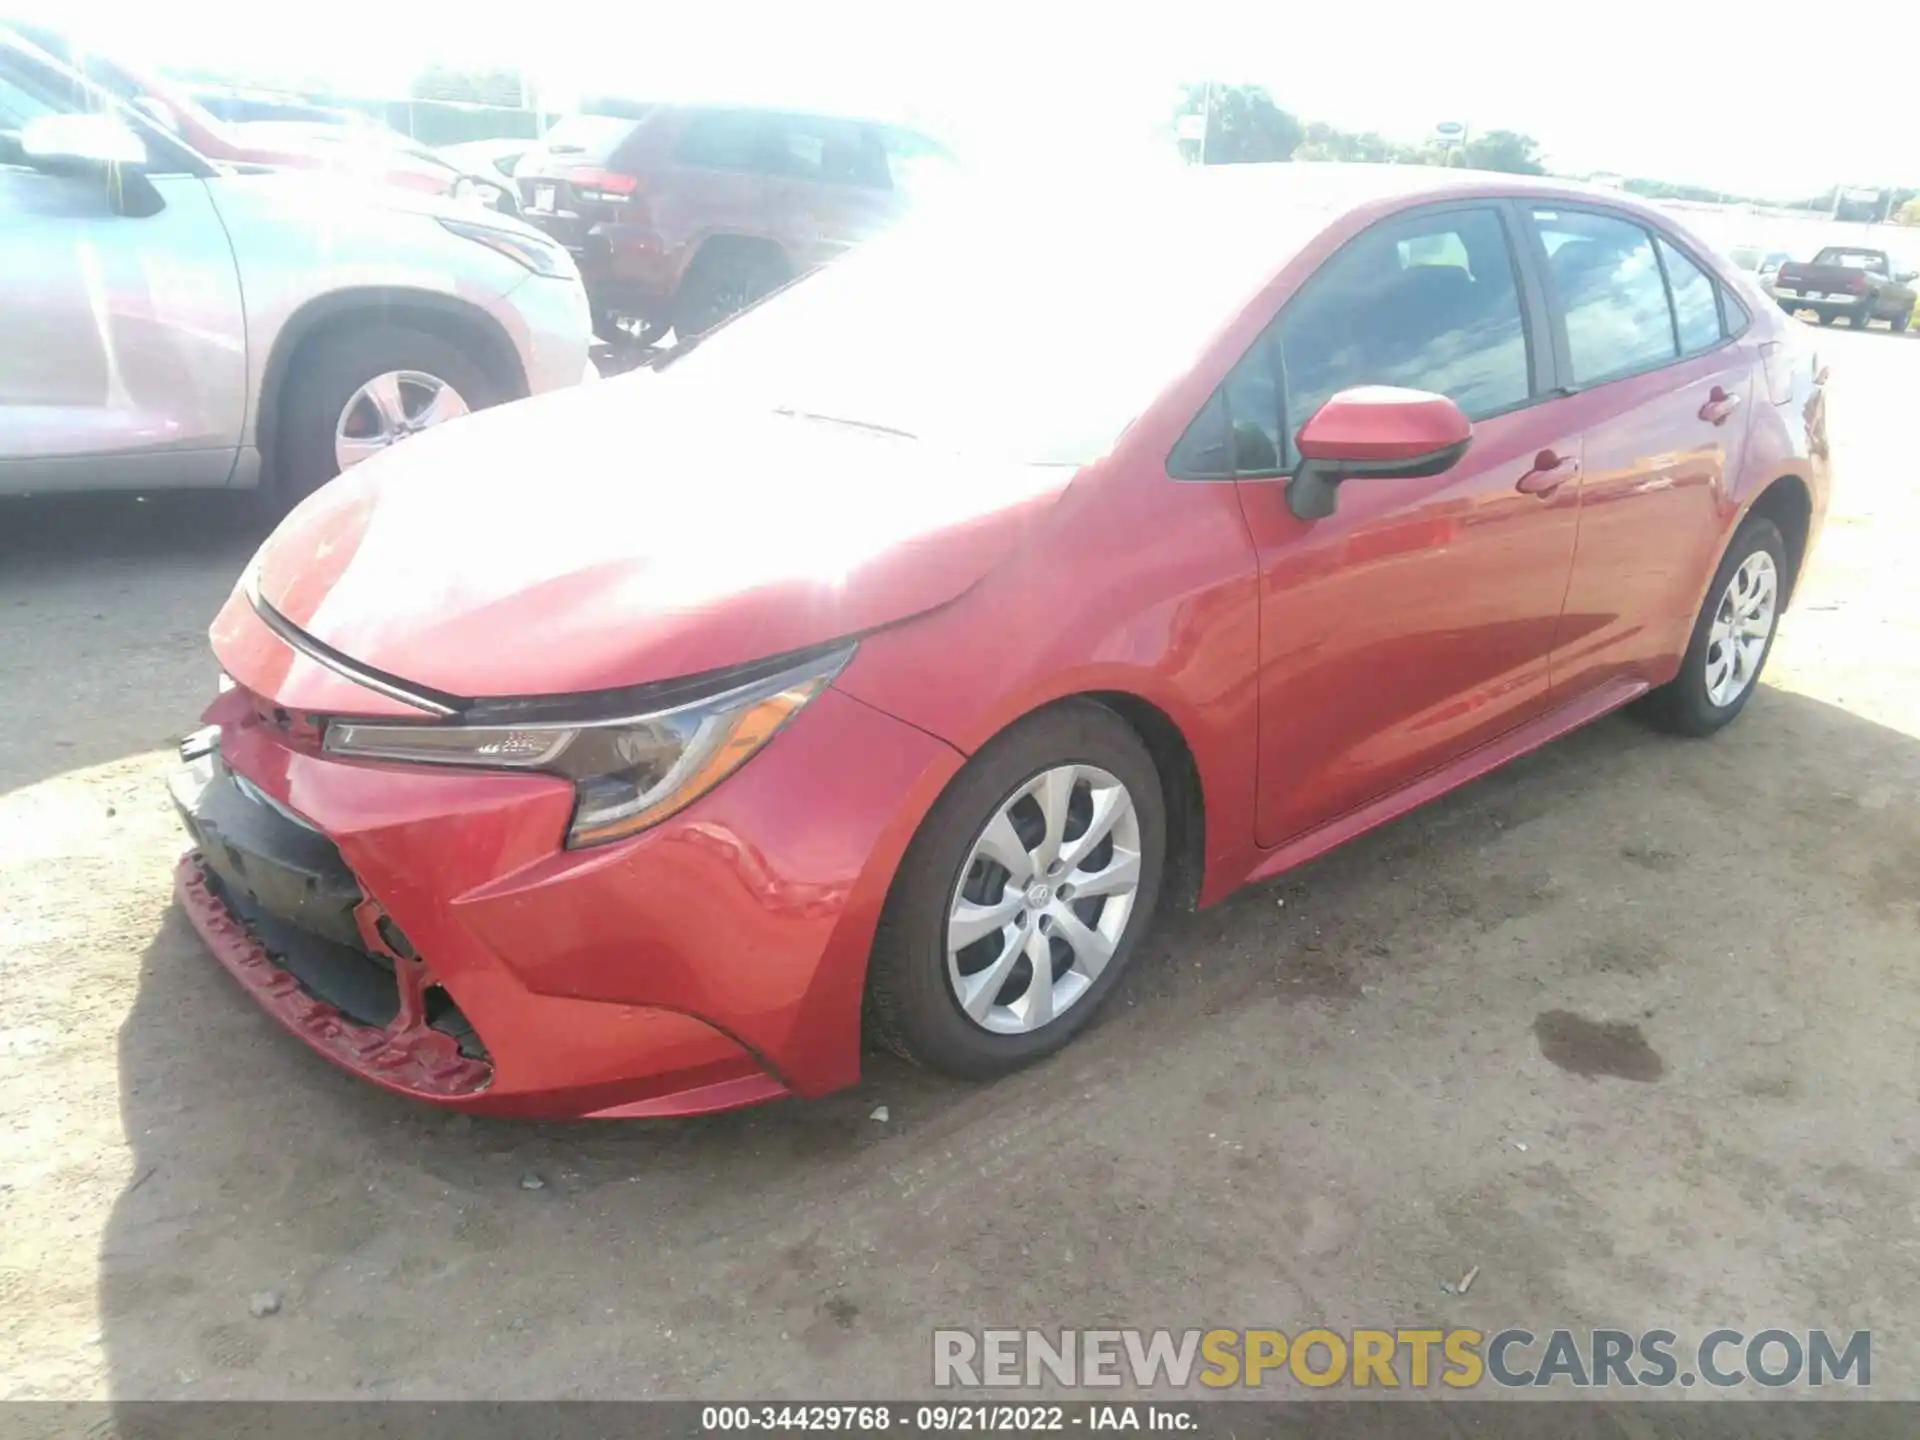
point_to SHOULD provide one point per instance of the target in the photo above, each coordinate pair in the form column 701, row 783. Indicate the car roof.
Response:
column 1338, row 187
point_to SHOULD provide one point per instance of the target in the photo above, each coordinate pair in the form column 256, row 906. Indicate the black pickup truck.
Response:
column 1844, row 280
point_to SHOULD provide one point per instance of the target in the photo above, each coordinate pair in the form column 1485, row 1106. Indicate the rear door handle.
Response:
column 1719, row 406
column 1549, row 473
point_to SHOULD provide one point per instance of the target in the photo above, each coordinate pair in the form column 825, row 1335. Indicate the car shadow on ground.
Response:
column 103, row 596
column 1287, row 1094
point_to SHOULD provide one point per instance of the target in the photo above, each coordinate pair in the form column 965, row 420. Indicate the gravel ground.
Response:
column 1629, row 1026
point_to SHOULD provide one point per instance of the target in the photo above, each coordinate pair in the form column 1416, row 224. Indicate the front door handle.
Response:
column 1549, row 473
column 1719, row 406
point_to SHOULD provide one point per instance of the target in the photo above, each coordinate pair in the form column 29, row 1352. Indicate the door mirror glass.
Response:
column 1374, row 432
column 85, row 140
column 1903, row 276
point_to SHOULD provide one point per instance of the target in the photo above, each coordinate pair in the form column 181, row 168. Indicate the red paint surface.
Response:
column 1323, row 675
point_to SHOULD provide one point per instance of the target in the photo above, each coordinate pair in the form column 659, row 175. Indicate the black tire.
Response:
column 723, row 280
column 1824, row 317
column 1863, row 317
column 911, row 1007
column 324, row 377
column 1682, row 705
column 1902, row 322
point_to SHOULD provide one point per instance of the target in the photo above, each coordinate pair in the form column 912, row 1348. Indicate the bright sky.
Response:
column 1750, row 97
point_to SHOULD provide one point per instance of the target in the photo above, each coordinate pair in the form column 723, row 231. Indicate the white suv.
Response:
column 173, row 323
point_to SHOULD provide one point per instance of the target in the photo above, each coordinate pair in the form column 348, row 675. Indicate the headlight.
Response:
column 537, row 255
column 628, row 774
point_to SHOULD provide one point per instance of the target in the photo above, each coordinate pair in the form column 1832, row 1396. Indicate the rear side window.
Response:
column 724, row 140
column 1608, row 279
column 830, row 152
column 1696, row 310
column 1429, row 302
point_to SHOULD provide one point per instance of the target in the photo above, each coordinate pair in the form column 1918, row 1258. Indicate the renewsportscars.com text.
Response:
column 1457, row 1359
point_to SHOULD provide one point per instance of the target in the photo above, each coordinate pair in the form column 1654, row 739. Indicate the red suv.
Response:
column 681, row 215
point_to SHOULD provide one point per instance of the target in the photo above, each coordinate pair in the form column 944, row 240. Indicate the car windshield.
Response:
column 1039, row 340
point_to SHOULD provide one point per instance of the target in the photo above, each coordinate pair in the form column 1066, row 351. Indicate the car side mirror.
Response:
column 1904, row 276
column 84, row 141
column 1374, row 432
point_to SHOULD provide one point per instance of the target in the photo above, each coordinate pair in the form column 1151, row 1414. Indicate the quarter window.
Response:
column 1611, row 292
column 831, row 152
column 1429, row 303
column 1696, row 310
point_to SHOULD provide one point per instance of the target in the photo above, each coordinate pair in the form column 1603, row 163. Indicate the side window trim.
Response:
column 1654, row 237
column 1562, row 355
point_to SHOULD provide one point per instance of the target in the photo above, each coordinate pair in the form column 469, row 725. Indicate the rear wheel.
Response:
column 1824, row 317
column 1731, row 638
column 1863, row 317
column 1022, row 899
column 353, row 393
column 1903, row 320
column 723, row 280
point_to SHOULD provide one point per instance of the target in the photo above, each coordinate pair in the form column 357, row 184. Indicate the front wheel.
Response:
column 1023, row 897
column 1901, row 322
column 354, row 393
column 1732, row 637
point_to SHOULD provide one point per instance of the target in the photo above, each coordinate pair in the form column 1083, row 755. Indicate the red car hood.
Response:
column 621, row 533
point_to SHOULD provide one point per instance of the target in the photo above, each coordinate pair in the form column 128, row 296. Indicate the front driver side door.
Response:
column 1416, row 622
column 124, row 362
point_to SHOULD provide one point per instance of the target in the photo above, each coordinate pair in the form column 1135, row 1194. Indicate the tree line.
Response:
column 1246, row 126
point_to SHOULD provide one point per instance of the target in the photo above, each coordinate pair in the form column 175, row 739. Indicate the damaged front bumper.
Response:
column 279, row 908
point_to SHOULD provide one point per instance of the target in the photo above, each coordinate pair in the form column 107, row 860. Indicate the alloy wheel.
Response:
column 1043, row 899
column 1742, row 625
column 388, row 409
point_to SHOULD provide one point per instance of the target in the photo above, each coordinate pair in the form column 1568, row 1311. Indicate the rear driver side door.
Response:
column 1417, row 621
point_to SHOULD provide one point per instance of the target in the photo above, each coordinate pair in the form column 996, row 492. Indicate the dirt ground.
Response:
column 1629, row 1026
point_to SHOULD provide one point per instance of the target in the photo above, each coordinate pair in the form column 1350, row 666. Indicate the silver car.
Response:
column 171, row 323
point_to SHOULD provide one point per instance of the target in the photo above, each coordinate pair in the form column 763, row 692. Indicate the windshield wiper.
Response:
column 792, row 414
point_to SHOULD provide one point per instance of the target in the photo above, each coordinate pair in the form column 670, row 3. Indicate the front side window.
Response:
column 1608, row 281
column 1429, row 303
column 1696, row 310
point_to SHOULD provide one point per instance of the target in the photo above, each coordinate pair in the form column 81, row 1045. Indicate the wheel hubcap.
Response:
column 388, row 409
column 1742, row 625
column 1043, row 899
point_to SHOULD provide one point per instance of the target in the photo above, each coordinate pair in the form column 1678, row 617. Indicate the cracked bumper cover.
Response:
column 715, row 961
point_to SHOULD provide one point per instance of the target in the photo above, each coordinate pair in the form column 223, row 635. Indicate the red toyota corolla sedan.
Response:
column 882, row 664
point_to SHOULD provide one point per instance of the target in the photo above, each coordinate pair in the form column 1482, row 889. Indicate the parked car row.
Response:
column 172, row 321
column 666, row 216
column 680, row 216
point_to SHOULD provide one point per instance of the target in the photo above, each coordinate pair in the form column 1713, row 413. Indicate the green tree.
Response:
column 1506, row 150
column 1244, row 125
column 1321, row 141
column 473, row 87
